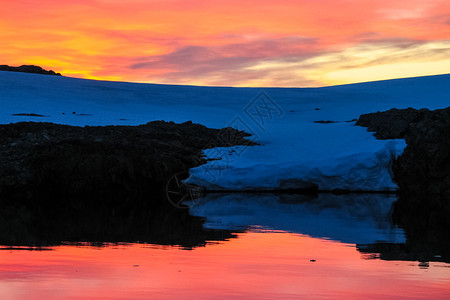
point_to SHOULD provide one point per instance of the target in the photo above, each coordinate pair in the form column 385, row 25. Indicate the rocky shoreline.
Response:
column 125, row 162
column 422, row 173
column 107, row 183
column 60, row 182
column 423, row 170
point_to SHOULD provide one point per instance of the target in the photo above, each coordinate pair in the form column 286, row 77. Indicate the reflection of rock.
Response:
column 294, row 198
column 427, row 229
column 98, row 223
column 28, row 69
column 427, row 233
column 414, row 250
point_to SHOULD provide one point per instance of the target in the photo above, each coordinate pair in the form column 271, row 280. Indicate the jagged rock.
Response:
column 391, row 124
column 107, row 163
column 424, row 167
column 28, row 69
column 101, row 184
column 422, row 173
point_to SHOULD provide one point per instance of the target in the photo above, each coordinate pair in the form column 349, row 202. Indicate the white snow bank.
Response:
column 332, row 155
column 339, row 156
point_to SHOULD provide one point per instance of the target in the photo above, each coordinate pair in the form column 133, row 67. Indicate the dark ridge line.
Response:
column 29, row 69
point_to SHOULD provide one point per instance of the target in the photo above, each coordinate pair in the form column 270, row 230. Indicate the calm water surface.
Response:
column 285, row 247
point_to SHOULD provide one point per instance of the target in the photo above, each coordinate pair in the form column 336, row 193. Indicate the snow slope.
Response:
column 332, row 155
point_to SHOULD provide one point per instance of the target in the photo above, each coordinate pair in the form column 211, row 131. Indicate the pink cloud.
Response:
column 183, row 41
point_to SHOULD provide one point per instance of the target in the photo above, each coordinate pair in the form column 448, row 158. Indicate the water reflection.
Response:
column 361, row 220
column 256, row 265
column 351, row 218
column 427, row 231
column 40, row 227
column 378, row 226
column 257, row 247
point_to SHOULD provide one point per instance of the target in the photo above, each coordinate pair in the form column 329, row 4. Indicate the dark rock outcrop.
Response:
column 422, row 173
column 391, row 124
column 92, row 177
column 28, row 69
column 107, row 162
column 424, row 167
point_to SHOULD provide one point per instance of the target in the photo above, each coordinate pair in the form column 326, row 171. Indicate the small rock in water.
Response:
column 312, row 260
column 325, row 122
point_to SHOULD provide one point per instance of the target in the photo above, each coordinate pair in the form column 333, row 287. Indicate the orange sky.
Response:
column 229, row 42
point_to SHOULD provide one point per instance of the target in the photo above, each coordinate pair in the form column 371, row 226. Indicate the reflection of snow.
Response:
column 352, row 218
column 331, row 155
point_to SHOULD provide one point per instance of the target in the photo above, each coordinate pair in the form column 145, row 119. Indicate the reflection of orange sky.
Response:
column 268, row 42
column 256, row 265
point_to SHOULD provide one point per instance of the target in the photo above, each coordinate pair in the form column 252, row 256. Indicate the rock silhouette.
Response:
column 60, row 182
column 28, row 69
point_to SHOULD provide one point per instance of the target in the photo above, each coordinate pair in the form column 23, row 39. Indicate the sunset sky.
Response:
column 228, row 42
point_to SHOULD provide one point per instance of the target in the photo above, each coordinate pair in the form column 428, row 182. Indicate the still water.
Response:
column 275, row 247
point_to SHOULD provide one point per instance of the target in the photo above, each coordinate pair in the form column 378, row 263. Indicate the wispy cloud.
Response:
column 266, row 42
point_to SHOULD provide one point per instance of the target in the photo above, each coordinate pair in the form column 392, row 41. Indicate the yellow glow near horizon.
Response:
column 389, row 71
